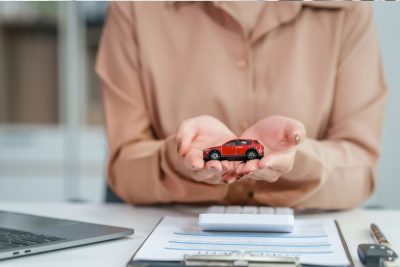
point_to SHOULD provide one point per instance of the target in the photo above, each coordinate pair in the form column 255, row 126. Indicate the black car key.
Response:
column 375, row 255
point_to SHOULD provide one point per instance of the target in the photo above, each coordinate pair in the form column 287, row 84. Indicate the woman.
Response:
column 179, row 77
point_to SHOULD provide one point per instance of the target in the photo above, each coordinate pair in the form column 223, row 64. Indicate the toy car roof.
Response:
column 240, row 140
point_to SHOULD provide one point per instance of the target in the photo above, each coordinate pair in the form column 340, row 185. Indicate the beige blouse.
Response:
column 317, row 62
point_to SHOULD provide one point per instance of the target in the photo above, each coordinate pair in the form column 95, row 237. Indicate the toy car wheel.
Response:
column 215, row 155
column 251, row 154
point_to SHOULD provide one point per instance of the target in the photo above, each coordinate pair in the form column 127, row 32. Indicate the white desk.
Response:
column 354, row 224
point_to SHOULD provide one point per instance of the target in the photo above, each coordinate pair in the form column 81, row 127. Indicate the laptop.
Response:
column 24, row 234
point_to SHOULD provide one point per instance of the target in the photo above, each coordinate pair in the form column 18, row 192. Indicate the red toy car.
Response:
column 237, row 149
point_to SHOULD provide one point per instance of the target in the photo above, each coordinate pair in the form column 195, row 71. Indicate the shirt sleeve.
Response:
column 142, row 169
column 338, row 172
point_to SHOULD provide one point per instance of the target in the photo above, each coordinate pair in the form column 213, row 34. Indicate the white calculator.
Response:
column 247, row 218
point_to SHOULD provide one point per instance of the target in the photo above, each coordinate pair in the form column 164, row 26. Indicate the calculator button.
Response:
column 284, row 211
column 249, row 210
column 216, row 209
column 266, row 210
column 233, row 209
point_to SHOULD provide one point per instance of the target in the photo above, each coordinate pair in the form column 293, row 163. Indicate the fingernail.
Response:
column 297, row 138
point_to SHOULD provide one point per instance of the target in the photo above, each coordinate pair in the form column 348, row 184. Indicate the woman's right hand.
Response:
column 196, row 134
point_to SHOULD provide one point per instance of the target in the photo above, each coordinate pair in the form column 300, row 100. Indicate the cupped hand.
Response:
column 196, row 134
column 280, row 137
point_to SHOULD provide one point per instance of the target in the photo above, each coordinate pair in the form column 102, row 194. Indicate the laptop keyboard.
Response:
column 10, row 238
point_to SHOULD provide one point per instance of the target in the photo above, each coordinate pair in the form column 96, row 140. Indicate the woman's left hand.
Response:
column 280, row 137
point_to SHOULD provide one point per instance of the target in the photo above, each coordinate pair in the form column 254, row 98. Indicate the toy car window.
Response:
column 230, row 143
column 243, row 142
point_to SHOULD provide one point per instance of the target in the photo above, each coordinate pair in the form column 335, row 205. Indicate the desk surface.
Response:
column 354, row 224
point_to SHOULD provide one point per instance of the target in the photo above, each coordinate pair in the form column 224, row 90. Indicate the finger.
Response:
column 279, row 161
column 226, row 166
column 209, row 176
column 229, row 177
column 214, row 180
column 213, row 164
column 187, row 131
column 250, row 166
column 204, row 175
column 236, row 164
column 230, row 180
column 229, row 172
column 194, row 160
column 239, row 168
column 266, row 174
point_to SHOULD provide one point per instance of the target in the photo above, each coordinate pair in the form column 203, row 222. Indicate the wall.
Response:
column 387, row 19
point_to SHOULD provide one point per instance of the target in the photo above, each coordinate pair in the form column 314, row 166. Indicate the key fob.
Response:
column 374, row 254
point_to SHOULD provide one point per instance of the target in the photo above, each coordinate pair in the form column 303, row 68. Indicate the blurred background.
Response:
column 52, row 141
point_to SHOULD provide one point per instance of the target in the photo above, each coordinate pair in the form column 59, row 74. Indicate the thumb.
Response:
column 186, row 133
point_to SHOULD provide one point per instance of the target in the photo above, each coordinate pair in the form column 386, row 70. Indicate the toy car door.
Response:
column 228, row 149
column 241, row 147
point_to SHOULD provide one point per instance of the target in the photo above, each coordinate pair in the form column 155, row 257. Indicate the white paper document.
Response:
column 315, row 242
